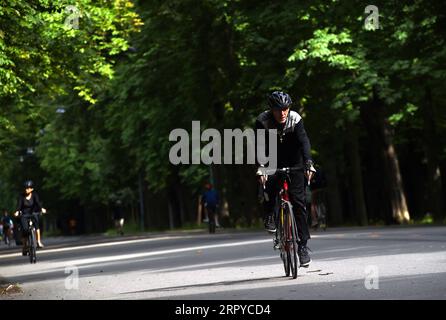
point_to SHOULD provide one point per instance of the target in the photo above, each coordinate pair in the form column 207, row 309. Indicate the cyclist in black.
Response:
column 29, row 206
column 293, row 150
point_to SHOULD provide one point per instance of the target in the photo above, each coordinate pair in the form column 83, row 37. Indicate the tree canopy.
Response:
column 89, row 95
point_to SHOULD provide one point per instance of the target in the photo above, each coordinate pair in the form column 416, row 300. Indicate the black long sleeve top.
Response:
column 29, row 206
column 293, row 144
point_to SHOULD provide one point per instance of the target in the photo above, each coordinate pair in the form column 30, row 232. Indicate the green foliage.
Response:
column 42, row 62
column 130, row 74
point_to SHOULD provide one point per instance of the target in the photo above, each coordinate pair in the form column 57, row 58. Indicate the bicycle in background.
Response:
column 318, row 210
column 8, row 235
column 6, row 226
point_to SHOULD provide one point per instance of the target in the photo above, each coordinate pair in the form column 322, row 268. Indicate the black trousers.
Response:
column 296, row 192
column 25, row 218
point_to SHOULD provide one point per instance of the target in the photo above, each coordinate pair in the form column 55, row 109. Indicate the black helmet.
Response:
column 279, row 100
column 29, row 184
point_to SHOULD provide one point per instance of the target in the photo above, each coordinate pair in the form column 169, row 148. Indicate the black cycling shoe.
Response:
column 304, row 257
column 276, row 245
column 270, row 226
column 24, row 252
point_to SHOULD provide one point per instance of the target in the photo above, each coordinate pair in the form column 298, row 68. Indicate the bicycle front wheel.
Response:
column 32, row 243
column 281, row 237
column 291, row 236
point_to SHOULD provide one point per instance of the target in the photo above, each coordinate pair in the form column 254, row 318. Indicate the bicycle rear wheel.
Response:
column 291, row 236
column 32, row 243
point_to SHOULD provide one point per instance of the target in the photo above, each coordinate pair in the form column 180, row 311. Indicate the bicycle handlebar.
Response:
column 281, row 170
column 20, row 213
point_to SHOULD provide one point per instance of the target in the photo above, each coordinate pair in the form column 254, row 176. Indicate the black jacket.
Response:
column 293, row 145
column 29, row 206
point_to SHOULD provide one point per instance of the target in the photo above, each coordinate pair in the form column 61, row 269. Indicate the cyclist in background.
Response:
column 118, row 217
column 211, row 202
column 29, row 207
column 8, row 225
column 293, row 150
column 317, row 186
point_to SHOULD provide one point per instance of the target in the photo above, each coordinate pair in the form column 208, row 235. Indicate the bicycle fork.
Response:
column 279, row 223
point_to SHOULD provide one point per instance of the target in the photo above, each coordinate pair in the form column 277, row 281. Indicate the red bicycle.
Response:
column 286, row 236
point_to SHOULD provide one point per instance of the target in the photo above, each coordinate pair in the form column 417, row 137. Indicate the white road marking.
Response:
column 89, row 246
column 55, row 266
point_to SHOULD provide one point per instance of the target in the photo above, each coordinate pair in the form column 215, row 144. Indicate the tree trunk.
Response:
column 179, row 191
column 199, row 211
column 88, row 218
column 334, row 213
column 171, row 213
column 141, row 201
column 377, row 125
column 400, row 213
column 133, row 212
column 357, row 188
column 434, row 188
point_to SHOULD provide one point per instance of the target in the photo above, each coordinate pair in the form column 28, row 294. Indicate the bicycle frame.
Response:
column 32, row 241
column 286, row 235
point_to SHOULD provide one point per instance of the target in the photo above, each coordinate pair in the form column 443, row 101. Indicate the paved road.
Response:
column 410, row 263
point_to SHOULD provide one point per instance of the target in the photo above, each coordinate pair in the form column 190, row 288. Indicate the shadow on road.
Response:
column 211, row 284
column 420, row 287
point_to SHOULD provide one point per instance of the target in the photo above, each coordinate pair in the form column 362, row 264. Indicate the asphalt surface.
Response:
column 358, row 263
